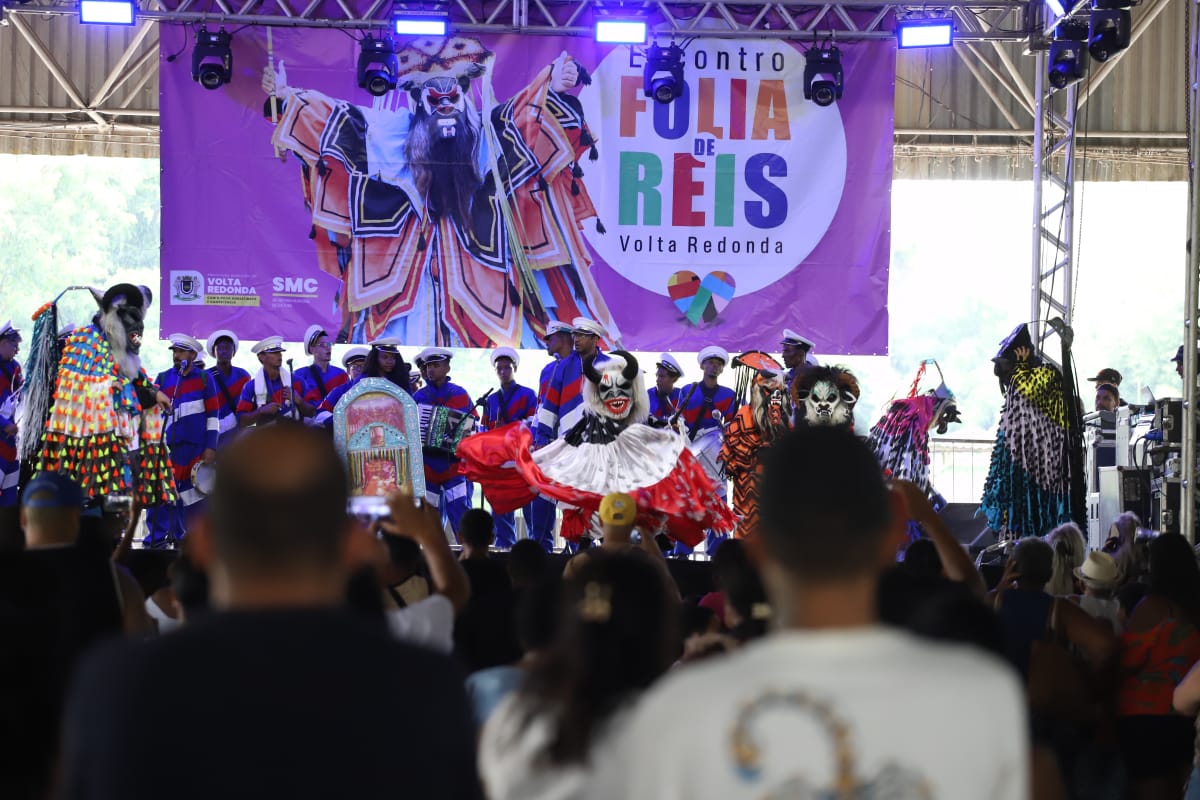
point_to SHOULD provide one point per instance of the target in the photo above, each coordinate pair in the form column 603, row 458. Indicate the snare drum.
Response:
column 707, row 450
column 203, row 477
column 443, row 429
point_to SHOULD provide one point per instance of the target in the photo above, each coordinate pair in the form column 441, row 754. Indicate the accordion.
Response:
column 443, row 429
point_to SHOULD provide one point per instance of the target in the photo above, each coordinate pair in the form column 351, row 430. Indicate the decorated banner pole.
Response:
column 273, row 99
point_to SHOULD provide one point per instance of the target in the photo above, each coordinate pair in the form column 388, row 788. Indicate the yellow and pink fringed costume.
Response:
column 97, row 431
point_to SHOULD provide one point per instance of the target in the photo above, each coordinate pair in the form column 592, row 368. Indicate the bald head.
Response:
column 279, row 502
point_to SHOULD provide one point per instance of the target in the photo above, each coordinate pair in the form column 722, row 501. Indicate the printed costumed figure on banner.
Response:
column 90, row 410
column 406, row 209
column 900, row 438
column 757, row 425
column 1035, row 480
column 607, row 451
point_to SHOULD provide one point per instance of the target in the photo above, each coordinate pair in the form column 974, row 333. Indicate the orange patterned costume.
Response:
column 755, row 426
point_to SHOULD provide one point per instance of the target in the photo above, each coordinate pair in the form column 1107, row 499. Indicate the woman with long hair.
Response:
column 1160, row 644
column 617, row 636
column 1070, row 550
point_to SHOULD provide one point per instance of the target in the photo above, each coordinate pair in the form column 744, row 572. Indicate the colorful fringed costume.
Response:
column 1028, row 488
column 900, row 438
column 98, row 431
column 607, row 451
column 755, row 426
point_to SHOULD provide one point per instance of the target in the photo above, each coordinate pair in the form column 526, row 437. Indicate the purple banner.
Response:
column 734, row 212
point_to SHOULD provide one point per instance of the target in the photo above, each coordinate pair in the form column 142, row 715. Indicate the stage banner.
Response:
column 513, row 179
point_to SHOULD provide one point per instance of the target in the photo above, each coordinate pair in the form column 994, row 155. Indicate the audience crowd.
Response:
column 291, row 650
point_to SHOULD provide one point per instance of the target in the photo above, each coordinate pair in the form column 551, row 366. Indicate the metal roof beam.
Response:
column 1140, row 27
column 48, row 60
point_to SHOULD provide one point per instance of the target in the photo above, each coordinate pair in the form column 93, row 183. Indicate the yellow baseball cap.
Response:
column 618, row 508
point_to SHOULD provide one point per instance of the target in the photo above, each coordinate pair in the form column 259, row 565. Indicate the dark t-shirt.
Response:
column 295, row 703
column 485, row 633
column 55, row 604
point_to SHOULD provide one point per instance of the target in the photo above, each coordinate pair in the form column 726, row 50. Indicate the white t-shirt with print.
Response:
column 813, row 714
column 510, row 755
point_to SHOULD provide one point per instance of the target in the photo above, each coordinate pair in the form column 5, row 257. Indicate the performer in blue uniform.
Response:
column 665, row 397
column 795, row 351
column 700, row 402
column 10, row 384
column 353, row 362
column 444, row 486
column 268, row 396
column 383, row 360
column 562, row 407
column 313, row 383
column 191, row 433
column 229, row 380
column 510, row 403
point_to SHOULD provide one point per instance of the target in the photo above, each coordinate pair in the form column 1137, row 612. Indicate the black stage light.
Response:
column 1108, row 32
column 662, row 76
column 377, row 66
column 1068, row 59
column 212, row 60
column 823, row 75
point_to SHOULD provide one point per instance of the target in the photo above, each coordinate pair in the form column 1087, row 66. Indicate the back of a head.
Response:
column 402, row 551
column 921, row 558
column 617, row 636
column 1035, row 562
column 825, row 510
column 1070, row 550
column 51, row 508
column 738, row 580
column 477, row 529
column 526, row 563
column 279, row 501
column 537, row 614
column 938, row 608
column 1174, row 573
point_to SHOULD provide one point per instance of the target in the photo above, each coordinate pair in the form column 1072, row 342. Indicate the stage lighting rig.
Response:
column 823, row 75
column 1108, row 32
column 662, row 74
column 924, row 32
column 1068, row 61
column 107, row 12
column 377, row 66
column 212, row 59
column 617, row 31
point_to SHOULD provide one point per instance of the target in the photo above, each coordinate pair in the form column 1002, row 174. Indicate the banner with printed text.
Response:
column 511, row 179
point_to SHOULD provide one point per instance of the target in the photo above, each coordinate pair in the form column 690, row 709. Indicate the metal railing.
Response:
column 958, row 467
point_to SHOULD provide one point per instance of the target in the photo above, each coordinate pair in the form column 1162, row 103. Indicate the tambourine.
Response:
column 204, row 476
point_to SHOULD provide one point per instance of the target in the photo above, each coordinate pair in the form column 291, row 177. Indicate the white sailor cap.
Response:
column 432, row 354
column 311, row 335
column 555, row 326
column 590, row 326
column 181, row 341
column 222, row 334
column 7, row 331
column 506, row 352
column 271, row 344
column 790, row 337
column 712, row 351
column 388, row 344
column 354, row 354
column 668, row 362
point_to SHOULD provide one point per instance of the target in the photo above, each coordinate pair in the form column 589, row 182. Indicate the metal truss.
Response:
column 1191, row 299
column 843, row 20
column 1052, row 294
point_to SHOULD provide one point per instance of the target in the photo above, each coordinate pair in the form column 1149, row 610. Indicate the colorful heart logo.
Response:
column 701, row 300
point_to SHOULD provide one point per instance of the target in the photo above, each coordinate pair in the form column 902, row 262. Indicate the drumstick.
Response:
column 274, row 99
